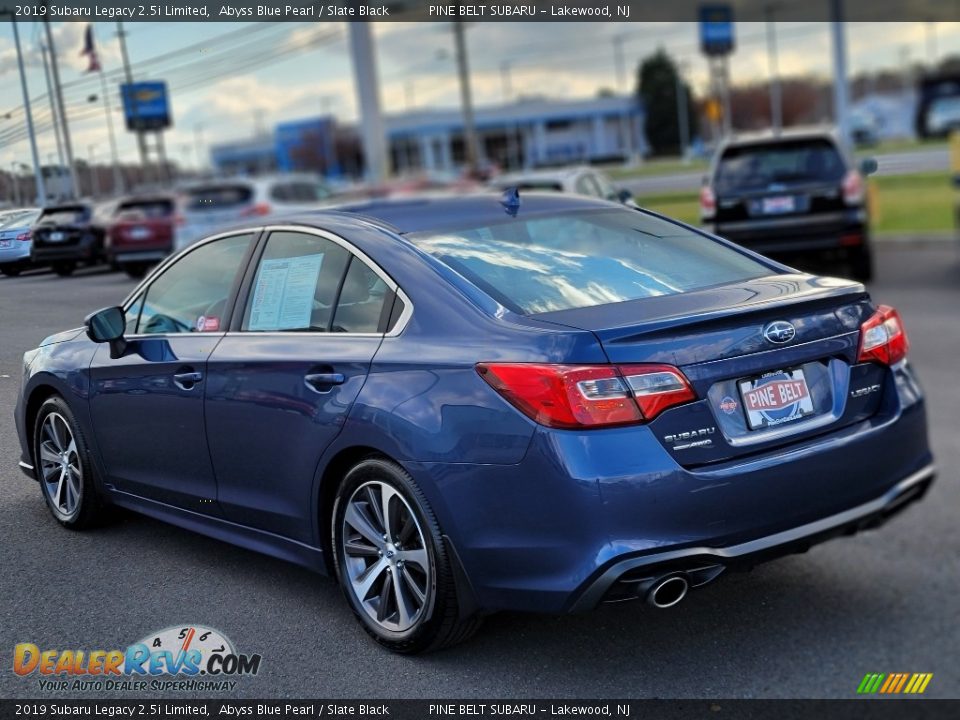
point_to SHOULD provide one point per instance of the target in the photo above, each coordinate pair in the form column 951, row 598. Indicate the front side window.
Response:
column 297, row 283
column 191, row 295
column 584, row 258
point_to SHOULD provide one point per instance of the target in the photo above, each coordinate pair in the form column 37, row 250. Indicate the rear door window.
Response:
column 145, row 209
column 65, row 215
column 758, row 166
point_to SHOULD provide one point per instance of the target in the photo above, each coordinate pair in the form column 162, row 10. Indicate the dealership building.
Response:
column 527, row 133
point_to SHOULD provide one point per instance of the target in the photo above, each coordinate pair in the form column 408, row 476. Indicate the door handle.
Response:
column 187, row 380
column 323, row 382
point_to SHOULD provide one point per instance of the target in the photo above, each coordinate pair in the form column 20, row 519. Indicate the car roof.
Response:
column 763, row 137
column 425, row 214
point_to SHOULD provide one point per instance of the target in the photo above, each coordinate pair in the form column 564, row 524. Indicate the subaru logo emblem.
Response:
column 780, row 332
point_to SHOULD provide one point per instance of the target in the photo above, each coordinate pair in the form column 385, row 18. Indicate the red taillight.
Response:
column 255, row 210
column 577, row 396
column 708, row 203
column 882, row 338
column 24, row 236
column 852, row 188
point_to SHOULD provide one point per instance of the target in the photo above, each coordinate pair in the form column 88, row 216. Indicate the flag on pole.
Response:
column 90, row 50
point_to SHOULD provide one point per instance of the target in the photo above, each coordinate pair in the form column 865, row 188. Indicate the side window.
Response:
column 587, row 185
column 133, row 315
column 297, row 282
column 361, row 300
column 191, row 295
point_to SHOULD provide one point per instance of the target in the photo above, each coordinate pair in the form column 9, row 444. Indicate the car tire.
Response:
column 11, row 270
column 64, row 469
column 861, row 265
column 413, row 561
column 64, row 269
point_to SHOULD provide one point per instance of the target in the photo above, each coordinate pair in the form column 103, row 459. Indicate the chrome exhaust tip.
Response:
column 668, row 591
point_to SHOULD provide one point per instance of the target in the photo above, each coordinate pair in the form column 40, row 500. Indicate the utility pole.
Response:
column 94, row 179
column 841, row 91
column 372, row 131
column 466, row 101
column 776, row 102
column 128, row 74
column 37, row 174
column 683, row 113
column 114, row 156
column 618, row 63
column 932, row 44
column 54, row 113
column 505, row 83
column 198, row 145
column 67, row 146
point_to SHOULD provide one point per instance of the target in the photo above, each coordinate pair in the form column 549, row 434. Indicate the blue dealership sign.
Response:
column 146, row 105
column 716, row 29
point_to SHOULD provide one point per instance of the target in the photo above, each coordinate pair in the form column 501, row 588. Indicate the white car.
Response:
column 207, row 206
column 16, row 240
column 580, row 180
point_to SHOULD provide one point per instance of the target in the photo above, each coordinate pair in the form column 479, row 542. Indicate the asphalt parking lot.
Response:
column 805, row 626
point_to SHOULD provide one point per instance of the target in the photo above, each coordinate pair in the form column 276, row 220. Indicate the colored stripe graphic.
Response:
column 894, row 683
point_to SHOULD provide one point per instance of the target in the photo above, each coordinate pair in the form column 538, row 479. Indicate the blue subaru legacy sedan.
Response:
column 456, row 406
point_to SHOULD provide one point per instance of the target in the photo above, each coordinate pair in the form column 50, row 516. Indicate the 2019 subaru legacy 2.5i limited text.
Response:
column 469, row 404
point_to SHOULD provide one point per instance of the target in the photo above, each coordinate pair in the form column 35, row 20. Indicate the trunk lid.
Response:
column 754, row 393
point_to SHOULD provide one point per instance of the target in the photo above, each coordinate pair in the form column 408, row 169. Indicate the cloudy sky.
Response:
column 231, row 80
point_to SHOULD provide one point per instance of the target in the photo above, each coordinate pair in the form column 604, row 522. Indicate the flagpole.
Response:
column 37, row 174
column 74, row 187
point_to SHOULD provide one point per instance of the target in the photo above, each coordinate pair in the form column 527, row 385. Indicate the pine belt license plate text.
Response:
column 777, row 205
column 776, row 398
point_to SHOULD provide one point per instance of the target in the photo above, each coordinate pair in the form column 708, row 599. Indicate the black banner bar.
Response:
column 627, row 11
column 872, row 709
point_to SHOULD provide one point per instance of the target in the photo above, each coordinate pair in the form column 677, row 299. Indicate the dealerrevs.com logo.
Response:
column 187, row 657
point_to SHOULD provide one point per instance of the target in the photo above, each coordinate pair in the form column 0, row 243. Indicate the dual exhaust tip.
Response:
column 667, row 591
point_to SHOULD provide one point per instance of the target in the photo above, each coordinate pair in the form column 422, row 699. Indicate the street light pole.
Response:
column 94, row 179
column 683, row 116
column 128, row 74
column 37, row 174
column 114, row 156
column 54, row 114
column 841, row 91
column 64, row 123
column 776, row 102
column 463, row 69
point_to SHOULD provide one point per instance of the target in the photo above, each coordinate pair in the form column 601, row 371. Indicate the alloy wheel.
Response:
column 385, row 556
column 60, row 464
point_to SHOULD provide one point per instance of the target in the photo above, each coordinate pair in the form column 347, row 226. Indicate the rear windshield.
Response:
column 756, row 167
column 218, row 197
column 150, row 209
column 580, row 259
column 65, row 215
column 298, row 191
column 20, row 219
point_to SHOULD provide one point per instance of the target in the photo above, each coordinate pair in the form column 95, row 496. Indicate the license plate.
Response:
column 776, row 398
column 55, row 236
column 5, row 243
column 140, row 233
column 778, row 205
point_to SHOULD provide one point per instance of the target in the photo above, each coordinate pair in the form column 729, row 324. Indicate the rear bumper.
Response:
column 87, row 249
column 747, row 554
column 843, row 231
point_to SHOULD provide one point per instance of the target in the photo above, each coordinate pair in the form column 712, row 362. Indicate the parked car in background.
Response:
column 204, row 207
column 69, row 234
column 15, row 240
column 141, row 233
column 795, row 194
column 581, row 180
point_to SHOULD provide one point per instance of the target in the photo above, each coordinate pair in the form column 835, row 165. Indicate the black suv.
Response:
column 68, row 234
column 791, row 194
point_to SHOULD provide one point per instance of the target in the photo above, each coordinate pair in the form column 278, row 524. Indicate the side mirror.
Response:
column 624, row 195
column 107, row 326
column 868, row 166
